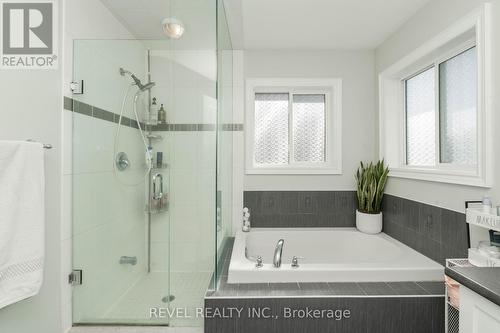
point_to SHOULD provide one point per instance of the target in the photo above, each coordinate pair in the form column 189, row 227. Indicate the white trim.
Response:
column 332, row 88
column 391, row 98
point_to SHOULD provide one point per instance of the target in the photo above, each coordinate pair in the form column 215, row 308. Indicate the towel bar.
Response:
column 45, row 145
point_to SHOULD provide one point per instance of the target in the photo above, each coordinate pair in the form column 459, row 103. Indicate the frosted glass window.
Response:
column 457, row 104
column 309, row 128
column 420, row 119
column 271, row 129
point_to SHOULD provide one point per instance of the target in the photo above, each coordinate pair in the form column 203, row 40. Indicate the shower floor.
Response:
column 187, row 287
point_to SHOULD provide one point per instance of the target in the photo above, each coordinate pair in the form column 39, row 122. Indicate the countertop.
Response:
column 485, row 281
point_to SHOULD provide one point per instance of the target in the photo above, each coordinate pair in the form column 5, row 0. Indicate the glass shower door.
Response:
column 110, row 185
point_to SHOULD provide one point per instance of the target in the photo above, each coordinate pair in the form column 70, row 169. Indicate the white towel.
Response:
column 22, row 230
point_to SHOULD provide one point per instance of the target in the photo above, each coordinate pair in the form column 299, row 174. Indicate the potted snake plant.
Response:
column 371, row 180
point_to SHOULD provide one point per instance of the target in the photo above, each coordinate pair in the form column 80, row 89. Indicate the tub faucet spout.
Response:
column 277, row 253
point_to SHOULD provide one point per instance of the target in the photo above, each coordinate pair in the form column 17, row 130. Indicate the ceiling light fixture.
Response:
column 173, row 28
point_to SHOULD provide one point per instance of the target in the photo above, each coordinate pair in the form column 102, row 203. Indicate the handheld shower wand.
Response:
column 138, row 83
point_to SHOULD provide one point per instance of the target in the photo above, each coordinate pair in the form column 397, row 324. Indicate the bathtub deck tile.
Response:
column 345, row 288
column 315, row 289
column 433, row 287
column 407, row 288
column 284, row 289
column 253, row 289
column 376, row 288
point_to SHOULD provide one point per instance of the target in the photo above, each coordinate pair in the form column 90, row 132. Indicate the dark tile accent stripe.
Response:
column 68, row 103
column 83, row 108
column 271, row 209
column 93, row 111
column 435, row 232
column 102, row 114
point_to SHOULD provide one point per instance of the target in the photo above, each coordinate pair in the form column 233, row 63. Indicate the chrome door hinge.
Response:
column 75, row 277
column 76, row 87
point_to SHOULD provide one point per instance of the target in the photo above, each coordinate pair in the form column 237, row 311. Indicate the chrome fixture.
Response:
column 157, row 189
column 125, row 260
column 295, row 261
column 122, row 162
column 259, row 262
column 76, row 87
column 138, row 83
column 45, row 145
column 277, row 253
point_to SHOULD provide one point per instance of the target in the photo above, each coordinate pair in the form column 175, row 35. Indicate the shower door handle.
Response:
column 126, row 260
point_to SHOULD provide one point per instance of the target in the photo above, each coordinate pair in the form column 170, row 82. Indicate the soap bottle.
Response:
column 162, row 115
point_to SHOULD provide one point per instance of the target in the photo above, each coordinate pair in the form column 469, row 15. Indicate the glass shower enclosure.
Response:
column 151, row 173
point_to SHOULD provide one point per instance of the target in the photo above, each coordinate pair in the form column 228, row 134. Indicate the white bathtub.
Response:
column 330, row 255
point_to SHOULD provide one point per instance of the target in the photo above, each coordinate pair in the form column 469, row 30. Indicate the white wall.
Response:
column 429, row 21
column 30, row 107
column 357, row 71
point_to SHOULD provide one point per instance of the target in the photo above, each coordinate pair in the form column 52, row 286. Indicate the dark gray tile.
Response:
column 253, row 289
column 284, row 289
column 345, row 288
column 102, row 114
column 315, row 289
column 416, row 314
column 383, row 315
column 407, row 288
column 410, row 237
column 451, row 252
column 125, row 121
column 454, row 229
column 393, row 209
column 68, row 103
column 393, row 230
column 82, row 108
column 410, row 214
column 433, row 287
column 429, row 222
column 301, row 208
column 376, row 288
column 134, row 124
column 429, row 248
column 271, row 202
column 308, row 202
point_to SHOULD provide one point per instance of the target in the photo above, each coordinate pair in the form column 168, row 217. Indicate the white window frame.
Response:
column 332, row 89
column 472, row 30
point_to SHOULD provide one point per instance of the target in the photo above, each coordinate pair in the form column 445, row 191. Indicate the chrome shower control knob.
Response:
column 259, row 261
column 295, row 261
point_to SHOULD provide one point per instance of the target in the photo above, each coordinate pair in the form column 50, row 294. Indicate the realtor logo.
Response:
column 28, row 34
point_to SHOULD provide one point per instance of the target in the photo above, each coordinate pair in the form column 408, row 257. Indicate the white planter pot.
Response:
column 369, row 223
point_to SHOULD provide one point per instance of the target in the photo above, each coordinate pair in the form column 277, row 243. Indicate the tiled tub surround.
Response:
column 392, row 307
column 327, row 255
column 436, row 232
column 276, row 209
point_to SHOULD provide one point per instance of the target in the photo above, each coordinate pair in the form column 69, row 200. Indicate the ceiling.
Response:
column 143, row 19
column 316, row 24
column 271, row 24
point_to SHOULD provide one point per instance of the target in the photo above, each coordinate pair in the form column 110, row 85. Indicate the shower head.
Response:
column 137, row 82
